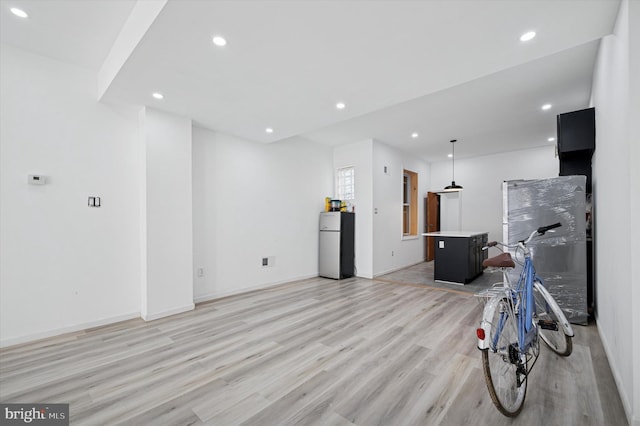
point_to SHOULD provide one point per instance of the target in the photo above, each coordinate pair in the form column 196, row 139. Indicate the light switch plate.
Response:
column 37, row 180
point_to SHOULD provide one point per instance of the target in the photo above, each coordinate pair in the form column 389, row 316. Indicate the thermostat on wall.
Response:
column 37, row 180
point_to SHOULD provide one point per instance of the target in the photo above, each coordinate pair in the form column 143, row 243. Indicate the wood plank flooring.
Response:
column 314, row 352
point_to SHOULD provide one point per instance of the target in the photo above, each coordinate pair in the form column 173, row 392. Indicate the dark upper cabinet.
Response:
column 577, row 163
column 576, row 132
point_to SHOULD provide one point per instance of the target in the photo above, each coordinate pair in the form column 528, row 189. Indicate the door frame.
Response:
column 431, row 222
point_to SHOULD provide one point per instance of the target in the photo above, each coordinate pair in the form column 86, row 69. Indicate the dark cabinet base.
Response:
column 459, row 259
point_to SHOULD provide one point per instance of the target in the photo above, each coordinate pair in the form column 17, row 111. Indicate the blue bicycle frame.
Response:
column 525, row 313
column 525, row 310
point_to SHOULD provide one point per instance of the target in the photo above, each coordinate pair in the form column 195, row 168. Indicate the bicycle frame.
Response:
column 524, row 303
column 525, row 313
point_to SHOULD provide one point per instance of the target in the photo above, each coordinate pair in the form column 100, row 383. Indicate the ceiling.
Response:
column 443, row 69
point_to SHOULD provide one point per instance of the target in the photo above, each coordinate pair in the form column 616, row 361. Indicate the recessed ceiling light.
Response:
column 340, row 105
column 450, row 155
column 158, row 95
column 551, row 139
column 19, row 12
column 546, row 107
column 219, row 41
column 268, row 130
column 414, row 135
column 527, row 36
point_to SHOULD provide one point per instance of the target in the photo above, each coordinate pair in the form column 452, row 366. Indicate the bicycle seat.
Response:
column 500, row 261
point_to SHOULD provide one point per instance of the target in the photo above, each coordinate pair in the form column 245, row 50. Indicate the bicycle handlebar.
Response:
column 490, row 244
column 540, row 231
column 544, row 229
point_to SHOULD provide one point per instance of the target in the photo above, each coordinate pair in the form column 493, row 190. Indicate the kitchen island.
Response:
column 458, row 255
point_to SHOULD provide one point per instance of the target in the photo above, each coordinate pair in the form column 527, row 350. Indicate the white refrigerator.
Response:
column 337, row 245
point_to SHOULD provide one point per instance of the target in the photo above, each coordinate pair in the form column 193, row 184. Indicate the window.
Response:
column 346, row 183
column 409, row 203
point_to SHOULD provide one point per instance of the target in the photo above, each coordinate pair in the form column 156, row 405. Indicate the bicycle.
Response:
column 513, row 320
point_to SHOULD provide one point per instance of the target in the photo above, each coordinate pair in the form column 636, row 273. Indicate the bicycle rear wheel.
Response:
column 504, row 367
column 549, row 320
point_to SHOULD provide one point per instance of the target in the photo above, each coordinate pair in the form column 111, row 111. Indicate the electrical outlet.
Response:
column 94, row 202
column 268, row 262
column 200, row 272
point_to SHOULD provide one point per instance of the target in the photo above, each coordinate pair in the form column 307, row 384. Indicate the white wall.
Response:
column 64, row 266
column 380, row 247
column 252, row 201
column 166, row 225
column 634, row 195
column 451, row 211
column 615, row 97
column 360, row 156
column 482, row 177
column 390, row 250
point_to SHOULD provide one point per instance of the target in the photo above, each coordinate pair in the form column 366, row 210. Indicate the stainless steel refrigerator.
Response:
column 560, row 257
column 337, row 245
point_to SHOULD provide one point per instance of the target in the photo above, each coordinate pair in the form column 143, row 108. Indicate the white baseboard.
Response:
column 220, row 294
column 5, row 342
column 396, row 269
column 65, row 330
column 628, row 409
column 174, row 311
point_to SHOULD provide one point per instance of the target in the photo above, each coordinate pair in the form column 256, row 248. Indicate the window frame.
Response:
column 345, row 190
column 409, row 203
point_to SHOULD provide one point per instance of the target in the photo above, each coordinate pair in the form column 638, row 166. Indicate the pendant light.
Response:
column 453, row 187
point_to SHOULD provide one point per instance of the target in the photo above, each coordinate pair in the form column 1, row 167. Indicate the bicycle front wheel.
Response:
column 505, row 369
column 549, row 320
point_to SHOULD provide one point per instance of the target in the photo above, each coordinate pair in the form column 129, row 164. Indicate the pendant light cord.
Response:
column 453, row 186
column 453, row 161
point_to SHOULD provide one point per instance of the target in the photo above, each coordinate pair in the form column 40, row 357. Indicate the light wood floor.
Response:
column 319, row 352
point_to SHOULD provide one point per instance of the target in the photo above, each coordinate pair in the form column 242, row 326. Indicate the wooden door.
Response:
column 433, row 222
